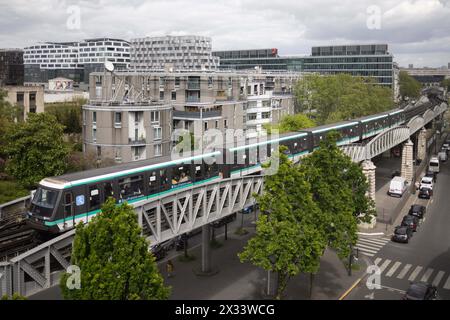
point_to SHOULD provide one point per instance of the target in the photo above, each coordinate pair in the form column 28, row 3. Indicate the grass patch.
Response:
column 11, row 190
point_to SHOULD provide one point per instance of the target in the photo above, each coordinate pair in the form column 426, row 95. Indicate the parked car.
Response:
column 425, row 193
column 442, row 155
column 446, row 146
column 402, row 234
column 398, row 186
column 395, row 173
column 180, row 241
column 410, row 221
column 434, row 164
column 417, row 210
column 421, row 291
column 431, row 174
column 426, row 182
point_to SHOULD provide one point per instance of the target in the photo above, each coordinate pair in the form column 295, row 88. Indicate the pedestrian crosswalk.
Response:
column 369, row 246
column 399, row 270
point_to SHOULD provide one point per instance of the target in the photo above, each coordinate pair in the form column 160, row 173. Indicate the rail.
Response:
column 24, row 202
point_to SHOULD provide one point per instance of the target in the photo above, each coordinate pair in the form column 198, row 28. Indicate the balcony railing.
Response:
column 193, row 85
column 193, row 99
column 197, row 114
column 134, row 141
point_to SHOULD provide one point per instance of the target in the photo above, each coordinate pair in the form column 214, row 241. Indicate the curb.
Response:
column 346, row 293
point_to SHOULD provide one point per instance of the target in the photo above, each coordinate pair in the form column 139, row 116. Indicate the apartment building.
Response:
column 29, row 98
column 176, row 52
column 153, row 104
column 73, row 60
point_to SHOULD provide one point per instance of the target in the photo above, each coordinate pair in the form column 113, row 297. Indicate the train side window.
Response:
column 131, row 187
column 94, row 197
column 164, row 179
column 109, row 190
column 212, row 169
column 153, row 182
column 181, row 174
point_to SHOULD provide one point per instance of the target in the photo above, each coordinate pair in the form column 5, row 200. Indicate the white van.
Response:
column 398, row 186
column 434, row 165
column 442, row 156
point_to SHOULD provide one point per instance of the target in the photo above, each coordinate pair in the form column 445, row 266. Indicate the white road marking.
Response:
column 372, row 242
column 364, row 247
column 447, row 283
column 427, row 275
column 404, row 271
column 415, row 273
column 393, row 269
column 377, row 261
column 438, row 278
column 384, row 265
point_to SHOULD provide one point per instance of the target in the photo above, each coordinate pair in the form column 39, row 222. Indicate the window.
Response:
column 109, row 190
column 118, row 120
column 181, row 174
column 157, row 133
column 266, row 115
column 217, row 124
column 161, row 95
column 99, row 151
column 131, row 187
column 206, row 125
column 20, row 99
column 177, row 81
column 155, row 116
column 94, row 197
column 94, row 117
column 225, row 123
column 157, row 150
column 174, row 95
column 94, row 135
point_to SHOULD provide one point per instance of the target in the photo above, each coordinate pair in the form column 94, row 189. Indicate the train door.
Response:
column 94, row 199
column 69, row 214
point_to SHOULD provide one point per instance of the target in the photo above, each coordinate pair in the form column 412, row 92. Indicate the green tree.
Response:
column 8, row 114
column 114, row 259
column 409, row 87
column 291, row 123
column 69, row 114
column 35, row 149
column 339, row 188
column 332, row 98
column 446, row 84
column 286, row 241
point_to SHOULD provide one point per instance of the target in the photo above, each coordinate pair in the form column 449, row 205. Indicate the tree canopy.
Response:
column 446, row 84
column 339, row 188
column 35, row 149
column 69, row 114
column 333, row 98
column 287, row 240
column 291, row 123
column 409, row 87
column 114, row 260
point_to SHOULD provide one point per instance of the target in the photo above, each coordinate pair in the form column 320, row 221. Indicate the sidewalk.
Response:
column 243, row 281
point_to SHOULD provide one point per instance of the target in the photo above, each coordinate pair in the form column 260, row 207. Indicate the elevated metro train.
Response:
column 61, row 202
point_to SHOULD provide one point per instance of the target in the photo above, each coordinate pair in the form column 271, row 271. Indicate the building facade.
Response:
column 11, row 67
column 371, row 60
column 428, row 76
column 29, row 98
column 150, row 105
column 177, row 52
column 73, row 60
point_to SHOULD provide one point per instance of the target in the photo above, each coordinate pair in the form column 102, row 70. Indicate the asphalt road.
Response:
column 425, row 258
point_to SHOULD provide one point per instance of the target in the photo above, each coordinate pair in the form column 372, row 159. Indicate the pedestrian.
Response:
column 170, row 268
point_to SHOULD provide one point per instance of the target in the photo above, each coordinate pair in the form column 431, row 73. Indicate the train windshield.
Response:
column 44, row 202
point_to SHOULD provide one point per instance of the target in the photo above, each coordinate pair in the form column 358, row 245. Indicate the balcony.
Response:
column 135, row 142
column 196, row 114
column 193, row 85
column 193, row 99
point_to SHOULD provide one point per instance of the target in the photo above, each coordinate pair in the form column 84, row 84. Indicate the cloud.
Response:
column 416, row 30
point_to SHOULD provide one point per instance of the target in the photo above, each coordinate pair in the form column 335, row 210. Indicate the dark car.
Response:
column 402, row 234
column 421, row 291
column 425, row 193
column 431, row 174
column 410, row 221
column 395, row 173
column 417, row 210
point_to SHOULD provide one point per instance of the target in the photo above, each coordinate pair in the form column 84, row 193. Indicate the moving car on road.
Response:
column 421, row 291
column 434, row 164
column 417, row 210
column 431, row 174
column 410, row 221
column 402, row 234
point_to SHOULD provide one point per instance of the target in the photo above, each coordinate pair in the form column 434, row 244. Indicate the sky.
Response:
column 417, row 31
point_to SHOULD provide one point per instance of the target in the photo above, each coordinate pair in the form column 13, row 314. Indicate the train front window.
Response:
column 44, row 202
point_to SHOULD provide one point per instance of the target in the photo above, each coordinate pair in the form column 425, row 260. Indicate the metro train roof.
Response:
column 118, row 170
column 325, row 127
